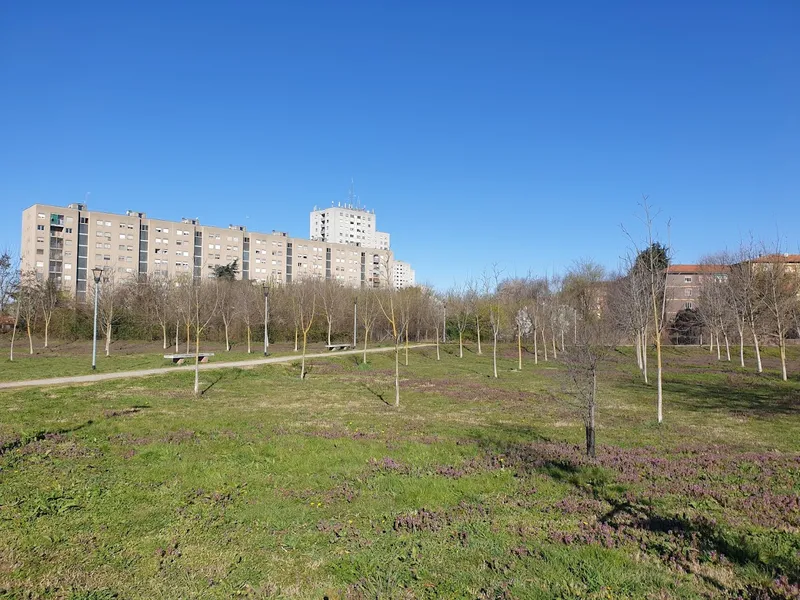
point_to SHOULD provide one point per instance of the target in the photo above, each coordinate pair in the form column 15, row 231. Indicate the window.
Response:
column 84, row 220
column 67, row 277
column 107, row 246
column 108, row 223
column 689, row 292
column 69, row 230
column 122, row 236
column 122, row 247
column 166, row 229
column 687, row 280
column 41, row 215
column 98, row 245
column 687, row 305
column 100, row 223
column 40, row 251
column 40, row 227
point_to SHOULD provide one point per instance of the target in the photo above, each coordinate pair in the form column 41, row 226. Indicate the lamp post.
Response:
column 97, row 272
column 265, row 289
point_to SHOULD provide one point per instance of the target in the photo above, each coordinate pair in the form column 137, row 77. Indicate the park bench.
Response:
column 335, row 347
column 181, row 358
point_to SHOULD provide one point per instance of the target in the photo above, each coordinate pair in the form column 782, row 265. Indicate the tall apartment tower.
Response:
column 347, row 224
column 64, row 244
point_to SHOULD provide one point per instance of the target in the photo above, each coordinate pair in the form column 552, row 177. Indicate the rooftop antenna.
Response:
column 351, row 196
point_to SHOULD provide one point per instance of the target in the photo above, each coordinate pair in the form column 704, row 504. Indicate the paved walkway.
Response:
column 203, row 367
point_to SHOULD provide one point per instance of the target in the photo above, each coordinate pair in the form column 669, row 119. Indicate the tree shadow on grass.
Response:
column 375, row 392
column 231, row 375
column 22, row 440
column 750, row 397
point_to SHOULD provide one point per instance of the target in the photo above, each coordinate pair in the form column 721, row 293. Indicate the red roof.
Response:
column 773, row 258
column 688, row 269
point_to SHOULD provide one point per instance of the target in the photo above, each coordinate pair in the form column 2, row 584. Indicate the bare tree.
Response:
column 651, row 263
column 368, row 313
column 333, row 296
column 389, row 303
column 9, row 278
column 205, row 303
column 743, row 299
column 304, row 301
column 593, row 341
column 27, row 300
column 157, row 302
column 226, row 292
column 777, row 287
column 459, row 303
column 246, row 300
column 109, row 292
column 495, row 304
column 48, row 296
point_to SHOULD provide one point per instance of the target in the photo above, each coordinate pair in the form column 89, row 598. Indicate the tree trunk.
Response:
column 296, row 335
column 438, row 356
column 478, row 329
column 519, row 349
column 719, row 349
column 741, row 344
column 644, row 356
column 782, row 345
column 727, row 345
column 177, row 330
column 227, row 337
column 590, row 421
column 406, row 346
column 188, row 335
column 711, row 342
column 164, row 332
column 303, row 362
column 14, row 335
column 366, row 337
column 47, row 331
column 494, row 353
column 535, row 348
column 637, row 342
column 249, row 340
column 759, row 367
column 30, row 337
column 544, row 345
column 197, row 361
column 460, row 344
column 108, row 337
column 330, row 325
column 555, row 352
column 397, row 371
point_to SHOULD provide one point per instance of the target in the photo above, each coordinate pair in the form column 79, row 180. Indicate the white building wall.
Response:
column 402, row 275
column 347, row 225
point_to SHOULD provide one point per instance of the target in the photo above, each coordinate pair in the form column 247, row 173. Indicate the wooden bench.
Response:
column 335, row 347
column 181, row 358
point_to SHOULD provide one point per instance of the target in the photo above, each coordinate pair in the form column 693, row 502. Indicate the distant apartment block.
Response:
column 402, row 275
column 684, row 283
column 64, row 244
column 348, row 224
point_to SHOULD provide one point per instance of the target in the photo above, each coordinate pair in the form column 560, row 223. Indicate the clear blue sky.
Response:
column 521, row 133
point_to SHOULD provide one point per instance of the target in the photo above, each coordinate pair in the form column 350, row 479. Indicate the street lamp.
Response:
column 265, row 289
column 97, row 272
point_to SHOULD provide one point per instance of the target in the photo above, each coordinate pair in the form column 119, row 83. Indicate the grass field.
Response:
column 272, row 487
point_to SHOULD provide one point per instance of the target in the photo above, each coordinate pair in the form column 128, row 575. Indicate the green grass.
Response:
column 268, row 486
column 64, row 359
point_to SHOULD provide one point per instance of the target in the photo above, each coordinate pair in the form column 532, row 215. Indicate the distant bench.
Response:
column 181, row 358
column 335, row 347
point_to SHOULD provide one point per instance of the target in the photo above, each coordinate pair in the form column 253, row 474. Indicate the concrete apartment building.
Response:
column 402, row 275
column 347, row 224
column 65, row 243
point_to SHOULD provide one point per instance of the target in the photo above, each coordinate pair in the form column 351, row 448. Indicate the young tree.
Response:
column 594, row 339
column 368, row 313
column 390, row 305
column 27, row 300
column 743, row 299
column 495, row 305
column 157, row 301
column 48, row 296
column 304, row 300
column 777, row 287
column 333, row 296
column 205, row 301
column 459, row 303
column 524, row 325
column 248, row 301
column 110, row 292
column 652, row 263
column 226, row 292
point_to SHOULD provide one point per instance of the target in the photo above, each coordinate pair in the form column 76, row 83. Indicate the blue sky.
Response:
column 521, row 134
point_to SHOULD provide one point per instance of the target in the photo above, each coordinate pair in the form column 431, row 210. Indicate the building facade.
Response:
column 684, row 284
column 64, row 244
column 402, row 275
column 347, row 224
